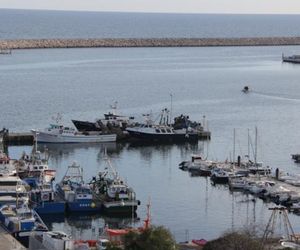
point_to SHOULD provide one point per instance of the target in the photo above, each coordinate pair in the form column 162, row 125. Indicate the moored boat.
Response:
column 75, row 192
column 21, row 221
column 57, row 133
column 112, row 118
column 115, row 195
column 163, row 131
column 12, row 187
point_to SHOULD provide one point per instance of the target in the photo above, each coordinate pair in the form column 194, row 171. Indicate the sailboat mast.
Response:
column 248, row 144
column 233, row 154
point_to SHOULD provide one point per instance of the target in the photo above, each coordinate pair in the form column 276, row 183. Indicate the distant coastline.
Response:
column 146, row 42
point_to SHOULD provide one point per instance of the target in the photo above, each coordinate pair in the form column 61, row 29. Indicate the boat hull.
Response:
column 120, row 207
column 85, row 126
column 151, row 137
column 220, row 180
column 83, row 206
column 54, row 138
column 58, row 207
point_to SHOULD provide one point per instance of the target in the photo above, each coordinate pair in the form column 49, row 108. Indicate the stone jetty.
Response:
column 146, row 42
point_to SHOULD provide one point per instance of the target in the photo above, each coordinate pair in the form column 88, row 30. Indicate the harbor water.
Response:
column 81, row 83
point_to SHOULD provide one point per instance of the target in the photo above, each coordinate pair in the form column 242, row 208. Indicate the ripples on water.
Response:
column 81, row 83
column 67, row 24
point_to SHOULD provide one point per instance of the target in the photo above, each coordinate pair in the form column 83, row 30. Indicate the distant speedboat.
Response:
column 245, row 89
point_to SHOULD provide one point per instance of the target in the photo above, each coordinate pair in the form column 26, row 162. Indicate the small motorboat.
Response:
column 245, row 89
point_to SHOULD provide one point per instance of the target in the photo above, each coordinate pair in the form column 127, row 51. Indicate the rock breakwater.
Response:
column 147, row 42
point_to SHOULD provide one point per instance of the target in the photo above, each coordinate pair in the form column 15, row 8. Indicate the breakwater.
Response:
column 146, row 42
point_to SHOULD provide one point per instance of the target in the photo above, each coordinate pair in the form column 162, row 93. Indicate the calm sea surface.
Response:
column 62, row 24
column 81, row 83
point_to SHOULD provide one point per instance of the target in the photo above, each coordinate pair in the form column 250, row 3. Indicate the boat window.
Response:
column 41, row 167
column 169, row 130
column 157, row 130
column 163, row 130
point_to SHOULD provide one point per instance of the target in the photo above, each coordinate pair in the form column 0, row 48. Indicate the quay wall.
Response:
column 146, row 42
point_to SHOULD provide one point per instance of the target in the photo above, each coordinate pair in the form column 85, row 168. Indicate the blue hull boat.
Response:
column 77, row 195
column 54, row 207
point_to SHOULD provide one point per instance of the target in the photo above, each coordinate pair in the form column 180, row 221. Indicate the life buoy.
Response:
column 45, row 197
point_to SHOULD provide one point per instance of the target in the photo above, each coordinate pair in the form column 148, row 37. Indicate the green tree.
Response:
column 158, row 238
column 234, row 241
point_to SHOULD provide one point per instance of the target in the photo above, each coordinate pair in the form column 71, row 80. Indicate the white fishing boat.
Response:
column 57, row 133
column 7, row 165
column 34, row 165
column 12, row 187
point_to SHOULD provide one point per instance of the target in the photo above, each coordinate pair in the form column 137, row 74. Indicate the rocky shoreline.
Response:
column 146, row 42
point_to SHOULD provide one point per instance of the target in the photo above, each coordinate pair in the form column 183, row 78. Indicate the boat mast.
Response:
column 109, row 164
column 171, row 95
column 248, row 145
column 255, row 148
column 233, row 154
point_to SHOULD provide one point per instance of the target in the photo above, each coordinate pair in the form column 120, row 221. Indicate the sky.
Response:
column 172, row 6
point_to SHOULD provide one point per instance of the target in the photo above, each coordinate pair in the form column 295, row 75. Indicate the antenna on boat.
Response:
column 171, row 95
column 255, row 149
column 106, row 158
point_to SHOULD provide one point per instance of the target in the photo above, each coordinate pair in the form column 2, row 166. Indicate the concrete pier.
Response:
column 25, row 138
column 8, row 241
column 146, row 42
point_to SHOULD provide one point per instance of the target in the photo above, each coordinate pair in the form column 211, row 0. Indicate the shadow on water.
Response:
column 89, row 221
column 61, row 149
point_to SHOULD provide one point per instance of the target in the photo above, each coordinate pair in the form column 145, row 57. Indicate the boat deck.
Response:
column 8, row 241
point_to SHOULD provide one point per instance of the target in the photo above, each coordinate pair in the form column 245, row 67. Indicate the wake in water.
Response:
column 276, row 96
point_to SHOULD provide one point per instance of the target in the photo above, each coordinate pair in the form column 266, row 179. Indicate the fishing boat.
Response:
column 75, row 192
column 21, row 221
column 115, row 195
column 7, row 165
column 58, row 133
column 35, row 166
column 12, row 187
column 163, row 131
column 112, row 118
column 44, row 200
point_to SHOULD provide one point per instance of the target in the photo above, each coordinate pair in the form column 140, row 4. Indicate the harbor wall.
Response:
column 146, row 42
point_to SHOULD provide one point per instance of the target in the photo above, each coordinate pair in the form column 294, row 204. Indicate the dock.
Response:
column 27, row 138
column 24, row 138
column 8, row 241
